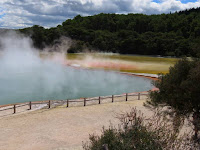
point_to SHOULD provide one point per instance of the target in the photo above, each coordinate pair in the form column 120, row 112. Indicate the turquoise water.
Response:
column 59, row 82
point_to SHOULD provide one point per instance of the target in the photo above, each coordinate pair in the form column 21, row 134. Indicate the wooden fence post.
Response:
column 49, row 104
column 14, row 107
column 138, row 96
column 67, row 103
column 30, row 105
column 112, row 98
column 99, row 100
column 84, row 101
column 126, row 97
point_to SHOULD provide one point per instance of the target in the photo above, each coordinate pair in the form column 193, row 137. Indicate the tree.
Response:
column 176, row 34
column 180, row 89
column 38, row 36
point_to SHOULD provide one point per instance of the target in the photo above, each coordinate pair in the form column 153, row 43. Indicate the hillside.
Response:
column 176, row 34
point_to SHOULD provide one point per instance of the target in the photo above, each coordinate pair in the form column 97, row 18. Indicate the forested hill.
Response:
column 176, row 34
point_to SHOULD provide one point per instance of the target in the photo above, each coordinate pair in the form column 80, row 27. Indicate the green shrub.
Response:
column 135, row 132
column 180, row 89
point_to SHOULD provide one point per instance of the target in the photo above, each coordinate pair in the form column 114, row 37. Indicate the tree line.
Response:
column 173, row 34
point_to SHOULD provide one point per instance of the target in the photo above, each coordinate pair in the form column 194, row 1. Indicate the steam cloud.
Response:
column 25, row 76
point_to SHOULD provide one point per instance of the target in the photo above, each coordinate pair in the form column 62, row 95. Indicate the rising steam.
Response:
column 26, row 76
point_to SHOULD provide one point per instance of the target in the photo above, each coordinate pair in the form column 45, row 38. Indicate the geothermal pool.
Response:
column 59, row 82
column 25, row 76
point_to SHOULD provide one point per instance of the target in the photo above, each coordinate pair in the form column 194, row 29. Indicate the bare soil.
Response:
column 61, row 128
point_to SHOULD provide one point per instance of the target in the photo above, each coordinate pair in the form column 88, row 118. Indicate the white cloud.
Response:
column 48, row 13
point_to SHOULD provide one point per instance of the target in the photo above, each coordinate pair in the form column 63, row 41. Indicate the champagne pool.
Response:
column 25, row 75
column 51, row 81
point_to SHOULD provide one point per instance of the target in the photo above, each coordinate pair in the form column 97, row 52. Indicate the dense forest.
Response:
column 174, row 34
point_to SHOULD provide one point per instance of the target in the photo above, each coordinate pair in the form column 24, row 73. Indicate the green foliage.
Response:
column 76, row 47
column 138, row 133
column 180, row 89
column 174, row 34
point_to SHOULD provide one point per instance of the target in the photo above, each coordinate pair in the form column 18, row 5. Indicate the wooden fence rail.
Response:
column 49, row 103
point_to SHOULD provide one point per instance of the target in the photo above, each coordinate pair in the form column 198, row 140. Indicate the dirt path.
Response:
column 60, row 128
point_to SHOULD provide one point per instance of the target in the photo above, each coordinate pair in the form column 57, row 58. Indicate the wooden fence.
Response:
column 53, row 103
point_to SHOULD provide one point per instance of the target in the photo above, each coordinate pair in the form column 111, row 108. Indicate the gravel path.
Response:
column 60, row 128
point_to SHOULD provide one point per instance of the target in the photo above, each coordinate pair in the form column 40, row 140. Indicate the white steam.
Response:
column 25, row 76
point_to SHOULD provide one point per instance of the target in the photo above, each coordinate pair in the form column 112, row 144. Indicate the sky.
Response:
column 16, row 14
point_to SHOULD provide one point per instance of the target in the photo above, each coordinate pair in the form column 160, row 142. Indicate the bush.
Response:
column 138, row 133
column 180, row 89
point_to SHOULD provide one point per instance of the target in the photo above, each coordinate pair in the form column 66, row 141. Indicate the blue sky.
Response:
column 183, row 1
column 1, row 13
column 50, row 13
column 186, row 1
